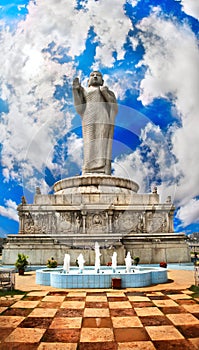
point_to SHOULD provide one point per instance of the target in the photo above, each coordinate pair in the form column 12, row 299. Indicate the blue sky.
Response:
column 149, row 56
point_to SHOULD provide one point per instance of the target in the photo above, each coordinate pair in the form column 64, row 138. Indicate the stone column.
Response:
column 49, row 226
column 144, row 222
column 21, row 222
column 21, row 214
column 84, row 213
column 110, row 220
column 170, row 218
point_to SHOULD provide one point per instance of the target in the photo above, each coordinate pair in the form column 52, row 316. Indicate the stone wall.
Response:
column 102, row 209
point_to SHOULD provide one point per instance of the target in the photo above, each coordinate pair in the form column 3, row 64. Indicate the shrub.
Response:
column 136, row 260
column 21, row 261
column 51, row 263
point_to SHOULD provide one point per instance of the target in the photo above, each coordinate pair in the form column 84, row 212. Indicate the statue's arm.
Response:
column 78, row 96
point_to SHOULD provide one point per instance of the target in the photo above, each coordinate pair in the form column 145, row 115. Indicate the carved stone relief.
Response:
column 141, row 223
column 50, row 222
column 97, row 222
column 35, row 223
column 78, row 223
column 126, row 221
column 28, row 223
column 116, row 221
column 64, row 222
column 155, row 222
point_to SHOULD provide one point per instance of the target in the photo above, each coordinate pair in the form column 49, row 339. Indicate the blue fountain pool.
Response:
column 138, row 277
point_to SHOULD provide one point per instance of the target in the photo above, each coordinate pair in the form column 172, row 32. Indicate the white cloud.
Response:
column 131, row 166
column 75, row 149
column 134, row 41
column 190, row 7
column 30, row 130
column 186, row 149
column 151, row 164
column 9, row 210
column 133, row 2
column 6, row 174
column 32, row 71
column 172, row 67
column 120, row 83
column 189, row 213
column 11, row 204
column 111, row 30
column 29, row 78
column 172, row 58
column 158, row 154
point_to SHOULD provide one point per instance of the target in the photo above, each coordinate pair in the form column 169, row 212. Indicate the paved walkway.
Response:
column 161, row 317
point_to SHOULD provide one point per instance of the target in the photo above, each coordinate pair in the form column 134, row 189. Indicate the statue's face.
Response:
column 95, row 79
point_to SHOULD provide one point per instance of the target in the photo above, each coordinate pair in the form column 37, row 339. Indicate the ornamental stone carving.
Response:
column 97, row 222
column 127, row 221
column 155, row 222
column 34, row 223
column 64, row 222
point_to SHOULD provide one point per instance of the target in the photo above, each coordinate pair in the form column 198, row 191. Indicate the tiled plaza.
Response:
column 155, row 318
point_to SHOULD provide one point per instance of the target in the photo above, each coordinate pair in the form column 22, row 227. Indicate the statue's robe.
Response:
column 98, row 117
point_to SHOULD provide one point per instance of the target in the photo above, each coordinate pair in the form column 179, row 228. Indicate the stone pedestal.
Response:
column 157, row 247
column 102, row 208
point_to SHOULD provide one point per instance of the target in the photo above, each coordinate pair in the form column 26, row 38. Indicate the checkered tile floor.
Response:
column 107, row 320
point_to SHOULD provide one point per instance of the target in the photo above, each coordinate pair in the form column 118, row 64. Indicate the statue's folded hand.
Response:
column 103, row 88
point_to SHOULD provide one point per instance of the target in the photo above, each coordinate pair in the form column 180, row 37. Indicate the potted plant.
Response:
column 136, row 260
column 52, row 263
column 21, row 263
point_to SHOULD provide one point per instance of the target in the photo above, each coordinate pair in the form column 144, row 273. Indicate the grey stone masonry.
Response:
column 99, row 208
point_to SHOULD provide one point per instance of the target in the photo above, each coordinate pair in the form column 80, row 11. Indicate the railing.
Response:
column 196, row 275
column 7, row 278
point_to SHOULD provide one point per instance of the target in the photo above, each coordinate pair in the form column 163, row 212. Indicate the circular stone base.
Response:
column 95, row 184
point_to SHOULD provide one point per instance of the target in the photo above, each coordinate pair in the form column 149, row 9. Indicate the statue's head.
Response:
column 95, row 79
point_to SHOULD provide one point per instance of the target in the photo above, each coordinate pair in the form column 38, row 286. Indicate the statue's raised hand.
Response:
column 76, row 83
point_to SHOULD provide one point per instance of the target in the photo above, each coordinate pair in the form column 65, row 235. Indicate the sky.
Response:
column 148, row 53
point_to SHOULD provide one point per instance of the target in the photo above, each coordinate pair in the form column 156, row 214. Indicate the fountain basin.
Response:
column 138, row 277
